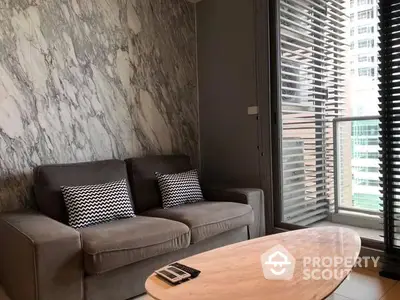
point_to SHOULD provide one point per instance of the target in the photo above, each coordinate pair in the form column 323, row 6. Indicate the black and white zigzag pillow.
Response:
column 180, row 188
column 94, row 204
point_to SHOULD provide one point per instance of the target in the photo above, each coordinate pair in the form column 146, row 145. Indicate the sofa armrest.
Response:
column 252, row 197
column 40, row 258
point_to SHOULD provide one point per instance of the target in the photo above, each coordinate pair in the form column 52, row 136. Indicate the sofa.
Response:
column 42, row 258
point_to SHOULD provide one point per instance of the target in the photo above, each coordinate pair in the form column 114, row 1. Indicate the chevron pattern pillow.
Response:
column 94, row 204
column 180, row 188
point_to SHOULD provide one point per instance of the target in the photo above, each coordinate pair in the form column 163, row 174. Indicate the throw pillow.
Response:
column 94, row 204
column 180, row 188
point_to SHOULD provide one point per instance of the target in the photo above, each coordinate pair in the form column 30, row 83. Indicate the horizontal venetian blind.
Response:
column 312, row 93
column 389, row 76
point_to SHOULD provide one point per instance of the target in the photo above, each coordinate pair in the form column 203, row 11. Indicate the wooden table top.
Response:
column 236, row 271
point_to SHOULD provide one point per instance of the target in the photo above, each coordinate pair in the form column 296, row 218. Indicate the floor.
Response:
column 363, row 284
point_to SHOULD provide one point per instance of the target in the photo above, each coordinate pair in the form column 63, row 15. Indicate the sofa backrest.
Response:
column 48, row 180
column 143, row 181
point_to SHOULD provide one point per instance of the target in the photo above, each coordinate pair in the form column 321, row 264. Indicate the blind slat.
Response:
column 309, row 18
column 389, row 13
column 313, row 90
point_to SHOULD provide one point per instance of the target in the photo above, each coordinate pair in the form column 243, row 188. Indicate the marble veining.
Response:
column 84, row 80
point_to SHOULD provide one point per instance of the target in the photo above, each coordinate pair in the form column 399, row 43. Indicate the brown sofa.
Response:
column 41, row 258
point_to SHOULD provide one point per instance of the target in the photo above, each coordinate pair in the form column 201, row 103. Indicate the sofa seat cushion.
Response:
column 119, row 243
column 208, row 218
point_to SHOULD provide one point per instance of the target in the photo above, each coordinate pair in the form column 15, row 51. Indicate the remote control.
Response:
column 193, row 272
column 173, row 275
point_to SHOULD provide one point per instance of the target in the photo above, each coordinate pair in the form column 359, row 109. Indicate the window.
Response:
column 374, row 142
column 362, row 58
column 367, row 169
column 311, row 87
column 367, row 155
column 367, row 201
column 366, row 43
column 373, row 155
column 366, row 58
column 368, row 182
column 373, row 182
column 364, row 2
column 312, row 43
column 365, row 29
column 365, row 129
column 365, row 14
column 366, row 72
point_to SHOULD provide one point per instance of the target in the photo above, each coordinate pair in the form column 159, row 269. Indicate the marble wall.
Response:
column 86, row 80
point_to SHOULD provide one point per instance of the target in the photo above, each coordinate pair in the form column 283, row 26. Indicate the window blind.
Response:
column 389, row 75
column 313, row 51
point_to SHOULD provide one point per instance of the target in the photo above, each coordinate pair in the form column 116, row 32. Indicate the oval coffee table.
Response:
column 238, row 271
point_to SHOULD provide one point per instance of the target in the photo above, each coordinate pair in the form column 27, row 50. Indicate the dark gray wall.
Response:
column 227, row 87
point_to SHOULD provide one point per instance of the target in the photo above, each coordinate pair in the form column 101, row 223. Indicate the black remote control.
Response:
column 193, row 272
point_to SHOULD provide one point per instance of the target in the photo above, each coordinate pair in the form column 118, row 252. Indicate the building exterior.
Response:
column 363, row 101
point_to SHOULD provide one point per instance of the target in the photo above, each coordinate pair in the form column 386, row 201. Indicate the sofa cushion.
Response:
column 141, row 173
column 119, row 243
column 206, row 219
column 48, row 180
column 97, row 203
column 180, row 188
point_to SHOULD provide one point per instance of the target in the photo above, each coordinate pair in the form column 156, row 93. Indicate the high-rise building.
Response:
column 363, row 101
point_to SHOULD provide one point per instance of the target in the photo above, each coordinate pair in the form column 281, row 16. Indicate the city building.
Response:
column 363, row 101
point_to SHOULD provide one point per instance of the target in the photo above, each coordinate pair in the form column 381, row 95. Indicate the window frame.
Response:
column 274, row 83
column 365, row 14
